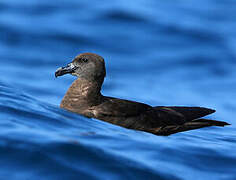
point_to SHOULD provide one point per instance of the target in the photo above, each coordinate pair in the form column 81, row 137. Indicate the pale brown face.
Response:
column 85, row 65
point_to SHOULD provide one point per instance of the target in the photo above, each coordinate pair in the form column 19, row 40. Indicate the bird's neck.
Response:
column 82, row 94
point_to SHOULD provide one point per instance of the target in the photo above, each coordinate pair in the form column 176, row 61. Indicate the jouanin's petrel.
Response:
column 84, row 97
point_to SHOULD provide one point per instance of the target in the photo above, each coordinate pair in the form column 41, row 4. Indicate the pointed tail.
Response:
column 195, row 124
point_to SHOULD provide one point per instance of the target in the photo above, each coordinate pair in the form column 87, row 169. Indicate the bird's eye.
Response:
column 84, row 59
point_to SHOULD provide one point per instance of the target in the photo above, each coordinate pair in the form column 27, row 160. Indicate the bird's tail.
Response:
column 195, row 124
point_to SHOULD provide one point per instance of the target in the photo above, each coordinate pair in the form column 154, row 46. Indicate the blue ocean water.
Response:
column 156, row 52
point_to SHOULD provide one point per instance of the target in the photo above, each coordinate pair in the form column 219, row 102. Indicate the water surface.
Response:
column 160, row 53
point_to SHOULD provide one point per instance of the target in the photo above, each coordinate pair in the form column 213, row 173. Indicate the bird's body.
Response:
column 84, row 97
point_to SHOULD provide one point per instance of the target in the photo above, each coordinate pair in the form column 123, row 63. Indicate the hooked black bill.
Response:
column 70, row 68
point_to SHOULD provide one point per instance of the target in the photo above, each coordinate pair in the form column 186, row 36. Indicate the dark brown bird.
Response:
column 84, row 97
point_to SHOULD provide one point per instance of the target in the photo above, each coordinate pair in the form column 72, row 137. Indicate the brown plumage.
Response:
column 84, row 97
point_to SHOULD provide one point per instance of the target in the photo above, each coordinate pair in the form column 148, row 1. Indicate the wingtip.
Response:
column 227, row 124
column 213, row 122
column 208, row 110
column 211, row 110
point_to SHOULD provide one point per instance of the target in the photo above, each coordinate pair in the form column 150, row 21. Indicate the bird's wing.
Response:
column 120, row 108
column 151, row 116
column 188, row 113
column 160, row 120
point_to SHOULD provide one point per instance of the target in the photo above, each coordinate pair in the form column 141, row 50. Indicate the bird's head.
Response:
column 89, row 66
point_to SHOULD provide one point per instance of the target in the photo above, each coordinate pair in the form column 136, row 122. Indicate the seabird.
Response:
column 84, row 97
